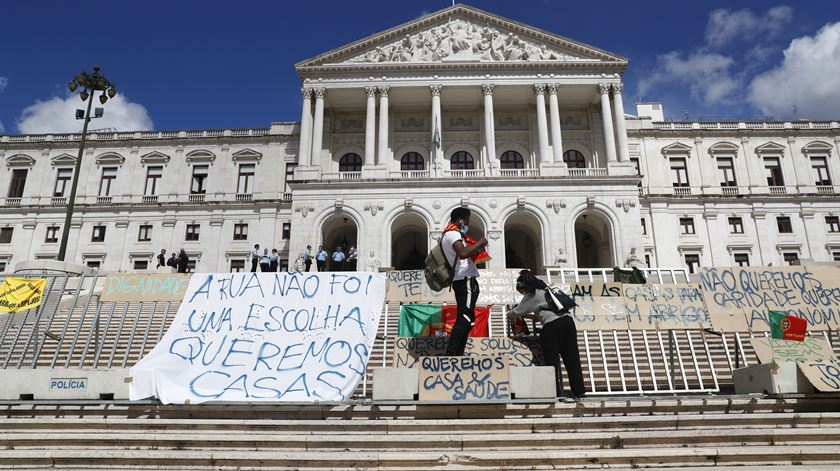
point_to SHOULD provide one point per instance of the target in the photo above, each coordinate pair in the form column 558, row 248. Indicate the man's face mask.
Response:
column 464, row 227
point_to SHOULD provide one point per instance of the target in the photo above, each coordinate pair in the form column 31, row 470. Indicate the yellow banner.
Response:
column 19, row 294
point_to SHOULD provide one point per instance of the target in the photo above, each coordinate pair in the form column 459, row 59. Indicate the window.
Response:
column 153, row 175
column 109, row 174
column 636, row 165
column 783, row 224
column 736, row 226
column 773, row 171
column 52, row 234
column 2, row 266
column 412, row 161
column 199, row 179
column 18, row 183
column 511, row 160
column 687, row 226
column 240, row 232
column 647, row 260
column 820, row 166
column 835, row 255
column 644, row 226
column 833, row 223
column 350, row 163
column 62, row 181
column 192, row 232
column 6, row 235
column 692, row 262
column 726, row 171
column 141, row 264
column 461, row 161
column 791, row 258
column 287, row 230
column 574, row 159
column 191, row 265
column 98, row 234
column 742, row 259
column 245, row 184
column 94, row 263
column 679, row 172
column 237, row 266
column 290, row 175
column 284, row 264
column 145, row 233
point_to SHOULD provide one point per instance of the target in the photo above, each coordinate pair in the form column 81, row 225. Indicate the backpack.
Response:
column 438, row 271
column 556, row 295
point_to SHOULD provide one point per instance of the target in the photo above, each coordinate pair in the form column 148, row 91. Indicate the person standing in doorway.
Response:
column 173, row 261
column 255, row 257
column 338, row 259
column 161, row 258
column 352, row 258
column 465, row 278
column 273, row 261
column 183, row 261
column 321, row 258
column 265, row 261
column 307, row 257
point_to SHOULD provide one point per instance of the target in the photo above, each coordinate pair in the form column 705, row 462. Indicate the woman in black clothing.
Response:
column 559, row 335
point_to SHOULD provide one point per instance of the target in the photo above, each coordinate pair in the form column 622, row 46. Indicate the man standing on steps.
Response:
column 464, row 281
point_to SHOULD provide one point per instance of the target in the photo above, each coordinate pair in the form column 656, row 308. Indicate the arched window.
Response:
column 574, row 159
column 412, row 161
column 350, row 163
column 512, row 160
column 462, row 160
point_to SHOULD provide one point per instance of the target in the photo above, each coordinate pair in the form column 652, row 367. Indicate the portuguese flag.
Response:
column 433, row 320
column 786, row 327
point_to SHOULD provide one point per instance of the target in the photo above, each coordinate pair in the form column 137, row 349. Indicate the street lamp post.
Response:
column 90, row 84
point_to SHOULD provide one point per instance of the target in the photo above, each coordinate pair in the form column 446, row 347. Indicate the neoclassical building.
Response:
column 457, row 108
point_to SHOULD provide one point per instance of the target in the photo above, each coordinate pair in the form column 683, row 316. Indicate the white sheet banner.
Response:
column 265, row 337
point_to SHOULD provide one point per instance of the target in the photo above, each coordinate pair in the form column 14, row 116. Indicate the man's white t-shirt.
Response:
column 465, row 267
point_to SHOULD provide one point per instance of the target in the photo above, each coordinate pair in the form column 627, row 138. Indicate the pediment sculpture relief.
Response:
column 460, row 40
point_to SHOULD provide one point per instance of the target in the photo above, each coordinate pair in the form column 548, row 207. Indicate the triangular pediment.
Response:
column 246, row 155
column 154, row 157
column 462, row 35
column 676, row 148
column 770, row 148
column 63, row 160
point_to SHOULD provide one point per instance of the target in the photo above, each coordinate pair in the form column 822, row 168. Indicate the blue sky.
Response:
column 213, row 64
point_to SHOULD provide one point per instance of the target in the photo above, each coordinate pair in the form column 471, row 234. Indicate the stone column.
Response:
column 370, row 127
column 542, row 126
column 436, row 152
column 554, row 116
column 606, row 116
column 318, row 127
column 620, row 127
column 305, row 128
column 489, row 127
column 383, row 125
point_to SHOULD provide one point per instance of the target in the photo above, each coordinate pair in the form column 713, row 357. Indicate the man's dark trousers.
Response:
column 466, row 295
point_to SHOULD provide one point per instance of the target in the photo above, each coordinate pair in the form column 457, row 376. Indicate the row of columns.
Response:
column 615, row 138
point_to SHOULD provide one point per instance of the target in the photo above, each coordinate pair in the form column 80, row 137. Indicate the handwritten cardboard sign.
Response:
column 265, row 337
column 145, row 287
column 409, row 286
column 466, row 378
column 810, row 293
column 519, row 351
column 814, row 357
column 665, row 306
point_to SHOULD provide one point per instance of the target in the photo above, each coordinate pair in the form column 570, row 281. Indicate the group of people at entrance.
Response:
column 338, row 260
column 558, row 335
column 180, row 262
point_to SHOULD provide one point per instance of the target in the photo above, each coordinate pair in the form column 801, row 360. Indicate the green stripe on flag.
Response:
column 414, row 319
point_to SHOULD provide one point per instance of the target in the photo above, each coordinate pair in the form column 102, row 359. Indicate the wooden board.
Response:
column 463, row 379
column 520, row 351
column 814, row 357
column 145, row 287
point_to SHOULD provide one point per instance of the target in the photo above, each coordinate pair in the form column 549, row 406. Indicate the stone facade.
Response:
column 458, row 108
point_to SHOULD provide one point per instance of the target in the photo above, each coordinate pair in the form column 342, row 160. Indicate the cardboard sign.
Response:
column 409, row 286
column 814, row 357
column 461, row 379
column 812, row 294
column 519, row 351
column 20, row 294
column 145, row 287
column 666, row 306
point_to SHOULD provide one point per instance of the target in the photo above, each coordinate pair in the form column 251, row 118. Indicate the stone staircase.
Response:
column 745, row 433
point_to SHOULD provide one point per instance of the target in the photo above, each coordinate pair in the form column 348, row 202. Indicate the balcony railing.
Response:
column 197, row 198
column 104, row 199
column 682, row 191
column 410, row 174
column 14, row 202
column 729, row 190
column 150, row 199
column 343, row 176
column 825, row 189
column 473, row 173
column 520, row 172
column 58, row 200
column 778, row 190
column 286, row 197
column 587, row 172
column 244, row 197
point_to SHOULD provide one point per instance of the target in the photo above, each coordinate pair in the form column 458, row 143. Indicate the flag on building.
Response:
column 433, row 320
column 787, row 327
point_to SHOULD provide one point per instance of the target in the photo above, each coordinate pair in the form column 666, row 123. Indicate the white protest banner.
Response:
column 265, row 337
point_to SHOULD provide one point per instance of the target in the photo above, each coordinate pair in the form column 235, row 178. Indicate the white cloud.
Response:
column 58, row 115
column 807, row 78
column 707, row 75
column 4, row 82
column 726, row 25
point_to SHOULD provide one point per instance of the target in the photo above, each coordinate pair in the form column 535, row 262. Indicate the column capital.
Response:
column 370, row 91
column 384, row 91
column 487, row 88
column 552, row 88
column 306, row 92
column 618, row 88
column 539, row 88
column 320, row 92
column 604, row 88
column 435, row 89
